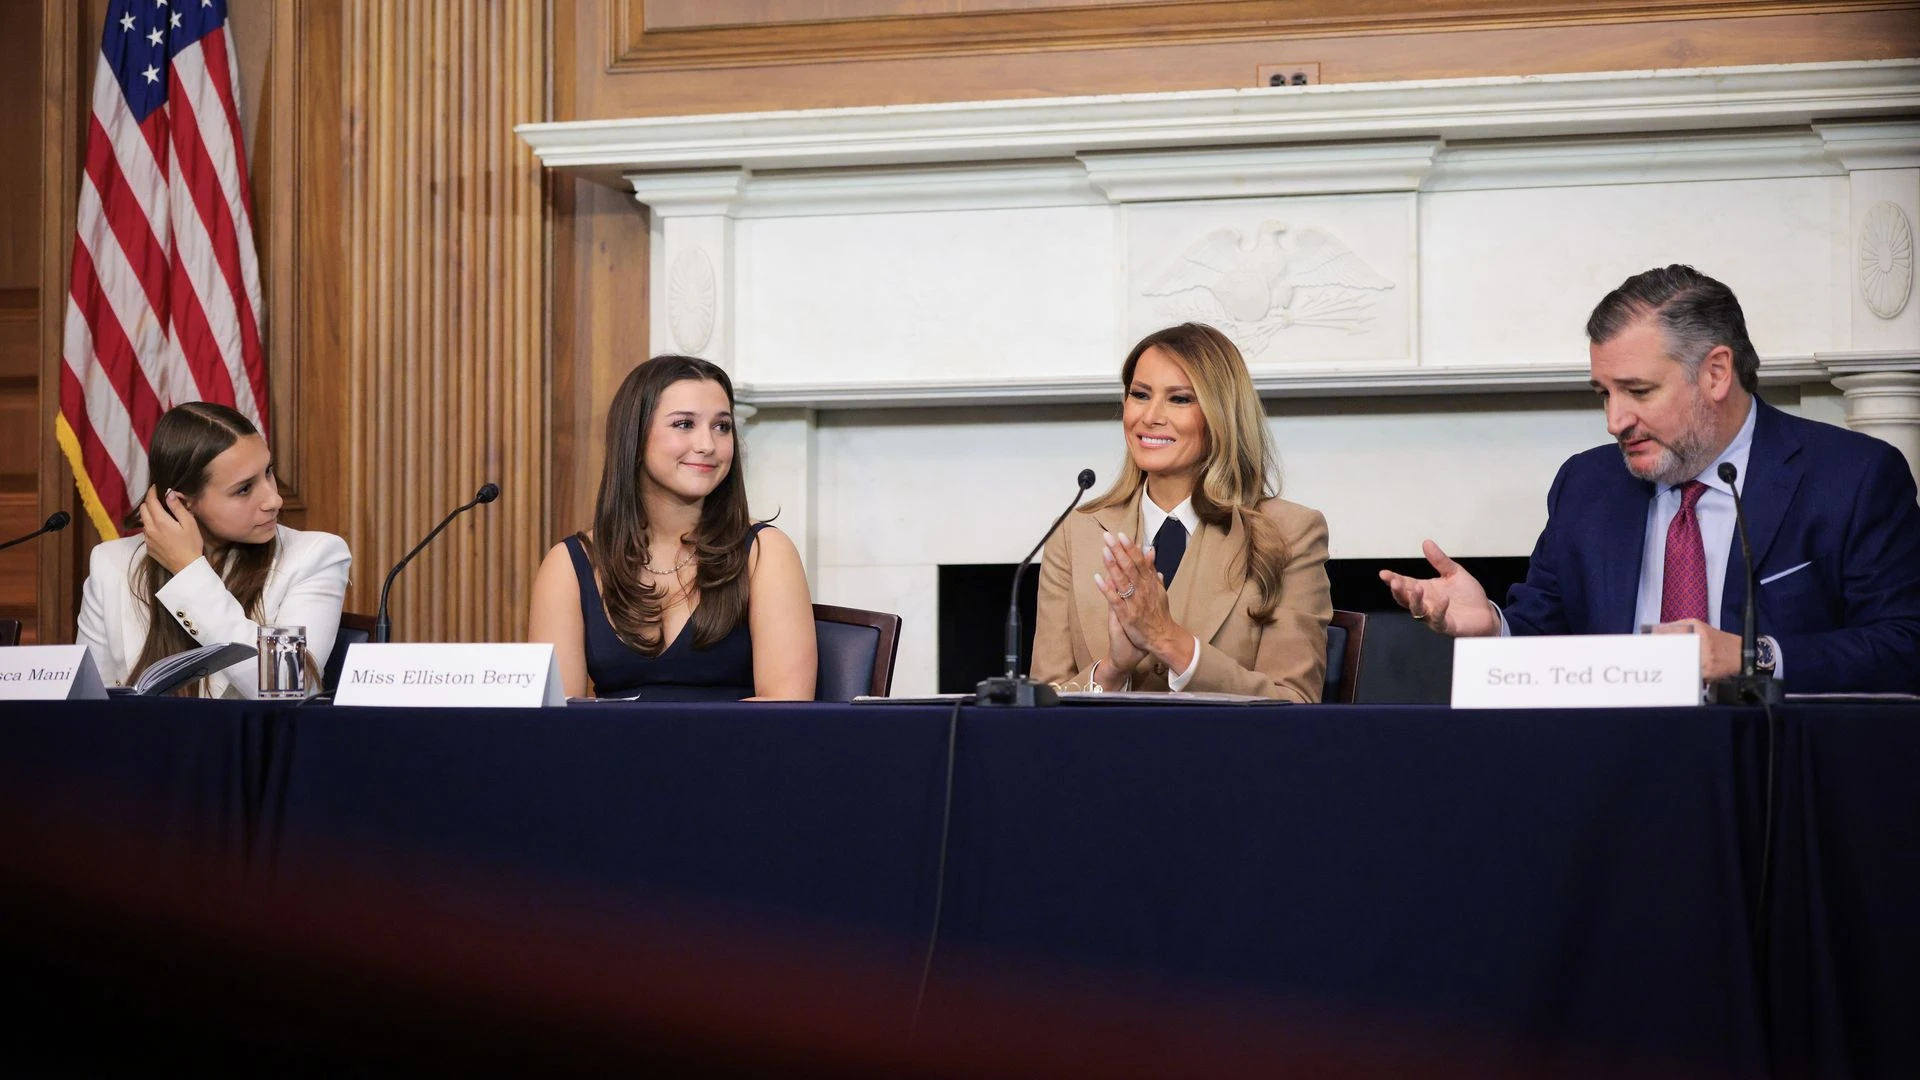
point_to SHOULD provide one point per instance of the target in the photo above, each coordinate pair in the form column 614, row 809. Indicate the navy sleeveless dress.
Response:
column 680, row 673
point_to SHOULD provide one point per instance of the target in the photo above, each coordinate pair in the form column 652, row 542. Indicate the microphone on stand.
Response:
column 382, row 624
column 1749, row 687
column 1011, row 688
column 55, row 522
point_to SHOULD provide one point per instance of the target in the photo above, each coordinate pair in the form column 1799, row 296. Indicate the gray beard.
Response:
column 1682, row 459
column 1677, row 464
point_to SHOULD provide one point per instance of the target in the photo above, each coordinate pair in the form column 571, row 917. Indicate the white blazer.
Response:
column 306, row 586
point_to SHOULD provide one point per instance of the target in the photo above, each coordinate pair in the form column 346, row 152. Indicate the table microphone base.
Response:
column 1746, row 690
column 1015, row 692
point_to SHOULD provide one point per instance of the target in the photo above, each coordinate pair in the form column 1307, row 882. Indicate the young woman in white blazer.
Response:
column 212, row 563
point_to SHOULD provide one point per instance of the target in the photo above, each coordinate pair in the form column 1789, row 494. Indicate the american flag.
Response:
column 165, row 298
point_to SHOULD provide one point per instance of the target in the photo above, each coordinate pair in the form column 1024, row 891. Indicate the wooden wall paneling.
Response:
column 698, row 14
column 312, row 129
column 599, row 282
column 599, row 310
column 657, row 34
column 20, row 62
column 445, row 356
column 20, row 229
column 67, row 50
column 1133, row 48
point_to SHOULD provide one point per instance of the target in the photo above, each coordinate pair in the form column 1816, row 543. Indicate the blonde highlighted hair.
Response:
column 1241, row 469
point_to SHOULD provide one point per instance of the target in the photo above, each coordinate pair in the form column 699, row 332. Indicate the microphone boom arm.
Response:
column 383, row 623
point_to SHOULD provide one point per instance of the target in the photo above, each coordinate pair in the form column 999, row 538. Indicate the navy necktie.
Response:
column 1169, row 544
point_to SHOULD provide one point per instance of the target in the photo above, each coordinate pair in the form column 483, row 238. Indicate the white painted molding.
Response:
column 1322, row 382
column 1873, row 144
column 706, row 193
column 1691, row 99
column 1869, row 363
column 1633, row 160
column 1886, row 405
column 1025, row 185
column 1154, row 175
column 1404, row 165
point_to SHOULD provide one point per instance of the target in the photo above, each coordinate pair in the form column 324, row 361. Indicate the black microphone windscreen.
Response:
column 1728, row 473
column 1086, row 479
column 58, row 520
column 487, row 493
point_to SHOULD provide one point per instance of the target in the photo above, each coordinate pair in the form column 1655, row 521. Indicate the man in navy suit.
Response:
column 1641, row 533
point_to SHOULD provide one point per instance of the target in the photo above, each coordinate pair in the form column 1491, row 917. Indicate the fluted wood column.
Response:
column 444, row 342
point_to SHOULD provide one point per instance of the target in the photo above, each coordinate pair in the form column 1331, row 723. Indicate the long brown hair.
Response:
column 1241, row 469
column 183, row 446
column 618, row 548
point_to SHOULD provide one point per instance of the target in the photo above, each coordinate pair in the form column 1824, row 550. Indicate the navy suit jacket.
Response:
column 1837, row 501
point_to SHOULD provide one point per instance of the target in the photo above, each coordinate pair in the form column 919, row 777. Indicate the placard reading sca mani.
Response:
column 49, row 673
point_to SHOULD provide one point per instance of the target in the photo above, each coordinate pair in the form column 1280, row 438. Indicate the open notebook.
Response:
column 181, row 668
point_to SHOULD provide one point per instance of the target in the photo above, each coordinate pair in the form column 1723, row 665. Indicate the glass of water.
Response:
column 283, row 662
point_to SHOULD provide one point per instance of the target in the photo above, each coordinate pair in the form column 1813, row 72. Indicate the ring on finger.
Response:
column 1127, row 593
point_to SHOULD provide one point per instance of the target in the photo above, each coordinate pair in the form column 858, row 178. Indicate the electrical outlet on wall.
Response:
column 1298, row 74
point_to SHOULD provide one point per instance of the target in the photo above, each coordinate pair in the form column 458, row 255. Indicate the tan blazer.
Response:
column 1285, row 658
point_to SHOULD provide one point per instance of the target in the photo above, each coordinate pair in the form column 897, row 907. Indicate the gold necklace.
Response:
column 652, row 569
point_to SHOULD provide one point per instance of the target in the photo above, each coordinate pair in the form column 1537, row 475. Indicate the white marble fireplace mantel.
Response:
column 1084, row 204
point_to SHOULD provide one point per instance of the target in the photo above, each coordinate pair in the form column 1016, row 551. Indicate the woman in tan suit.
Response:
column 1190, row 573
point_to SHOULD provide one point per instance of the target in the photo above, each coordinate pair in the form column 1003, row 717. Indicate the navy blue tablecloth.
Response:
column 801, row 819
column 183, row 778
column 1844, row 924
column 1551, row 890
column 1551, row 893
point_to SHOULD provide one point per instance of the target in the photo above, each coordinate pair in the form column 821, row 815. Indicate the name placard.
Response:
column 488, row 676
column 49, row 673
column 1576, row 672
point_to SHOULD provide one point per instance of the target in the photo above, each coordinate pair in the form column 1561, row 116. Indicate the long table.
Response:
column 1551, row 892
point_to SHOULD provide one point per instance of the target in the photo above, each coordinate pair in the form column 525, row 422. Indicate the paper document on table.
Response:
column 1176, row 697
column 1856, row 695
column 923, row 699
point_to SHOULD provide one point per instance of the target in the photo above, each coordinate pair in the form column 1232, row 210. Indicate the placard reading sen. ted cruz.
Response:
column 450, row 676
column 1585, row 671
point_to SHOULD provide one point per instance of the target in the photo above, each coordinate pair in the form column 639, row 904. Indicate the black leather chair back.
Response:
column 857, row 649
column 846, row 660
column 355, row 629
column 1346, row 635
column 1336, row 660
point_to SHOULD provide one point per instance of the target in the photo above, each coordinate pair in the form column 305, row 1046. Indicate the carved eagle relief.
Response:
column 1254, row 286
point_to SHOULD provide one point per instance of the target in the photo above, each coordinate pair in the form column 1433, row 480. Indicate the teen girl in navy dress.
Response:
column 676, row 594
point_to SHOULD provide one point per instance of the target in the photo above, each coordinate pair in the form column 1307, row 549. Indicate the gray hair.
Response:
column 1696, row 314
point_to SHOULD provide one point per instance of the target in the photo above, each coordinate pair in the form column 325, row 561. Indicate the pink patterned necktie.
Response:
column 1683, row 593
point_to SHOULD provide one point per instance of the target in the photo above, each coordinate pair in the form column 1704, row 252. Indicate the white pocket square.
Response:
column 1771, row 578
